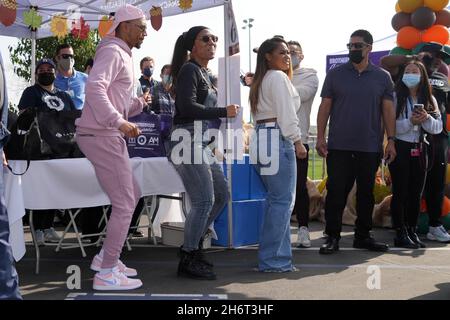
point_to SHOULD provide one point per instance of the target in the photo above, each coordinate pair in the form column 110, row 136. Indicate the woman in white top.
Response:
column 417, row 115
column 274, row 146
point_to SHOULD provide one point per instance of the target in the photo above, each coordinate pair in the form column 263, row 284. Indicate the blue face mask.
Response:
column 148, row 72
column 411, row 79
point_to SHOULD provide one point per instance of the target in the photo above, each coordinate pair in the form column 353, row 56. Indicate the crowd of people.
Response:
column 394, row 114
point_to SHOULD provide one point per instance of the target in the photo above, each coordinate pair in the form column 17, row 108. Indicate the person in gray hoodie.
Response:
column 306, row 82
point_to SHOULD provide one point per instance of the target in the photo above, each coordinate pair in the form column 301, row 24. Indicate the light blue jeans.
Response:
column 275, row 254
column 207, row 189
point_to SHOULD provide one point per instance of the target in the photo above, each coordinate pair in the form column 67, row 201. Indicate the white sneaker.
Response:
column 438, row 234
column 115, row 280
column 303, row 238
column 51, row 235
column 39, row 237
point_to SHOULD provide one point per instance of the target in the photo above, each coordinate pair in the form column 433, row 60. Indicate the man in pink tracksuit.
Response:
column 100, row 131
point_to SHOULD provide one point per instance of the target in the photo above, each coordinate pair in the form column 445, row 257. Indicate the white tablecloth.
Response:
column 71, row 183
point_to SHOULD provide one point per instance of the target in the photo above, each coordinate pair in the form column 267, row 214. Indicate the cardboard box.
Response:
column 173, row 235
column 247, row 219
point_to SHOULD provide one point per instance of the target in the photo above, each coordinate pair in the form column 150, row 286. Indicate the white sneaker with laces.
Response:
column 51, row 235
column 303, row 238
column 438, row 234
column 39, row 237
column 96, row 265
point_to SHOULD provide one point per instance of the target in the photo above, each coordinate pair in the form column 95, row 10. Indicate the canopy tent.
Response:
column 35, row 19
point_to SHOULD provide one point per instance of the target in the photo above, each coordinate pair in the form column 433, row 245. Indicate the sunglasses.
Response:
column 67, row 56
column 206, row 38
column 143, row 28
column 357, row 45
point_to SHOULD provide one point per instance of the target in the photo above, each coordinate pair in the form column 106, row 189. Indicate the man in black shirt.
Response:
column 432, row 55
column 44, row 94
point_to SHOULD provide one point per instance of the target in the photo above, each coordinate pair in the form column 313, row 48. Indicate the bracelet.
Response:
column 391, row 138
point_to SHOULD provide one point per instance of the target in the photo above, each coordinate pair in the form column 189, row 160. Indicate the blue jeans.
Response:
column 9, row 282
column 207, row 189
column 275, row 252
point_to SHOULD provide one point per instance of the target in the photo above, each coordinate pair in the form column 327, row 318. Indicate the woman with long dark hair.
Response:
column 417, row 115
column 203, row 178
column 274, row 103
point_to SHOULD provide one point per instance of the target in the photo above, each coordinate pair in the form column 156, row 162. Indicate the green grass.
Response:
column 315, row 169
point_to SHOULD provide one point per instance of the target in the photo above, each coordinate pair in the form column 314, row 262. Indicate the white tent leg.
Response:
column 229, row 146
column 33, row 56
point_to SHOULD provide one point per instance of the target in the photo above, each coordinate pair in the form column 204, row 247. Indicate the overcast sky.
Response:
column 321, row 26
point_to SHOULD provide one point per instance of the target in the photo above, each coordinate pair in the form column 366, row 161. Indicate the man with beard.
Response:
column 356, row 97
column 432, row 55
column 100, row 131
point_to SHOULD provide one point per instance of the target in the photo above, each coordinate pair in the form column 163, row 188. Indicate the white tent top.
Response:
column 92, row 12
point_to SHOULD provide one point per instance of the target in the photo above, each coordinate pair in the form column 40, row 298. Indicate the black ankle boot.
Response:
column 402, row 240
column 201, row 256
column 191, row 267
column 412, row 233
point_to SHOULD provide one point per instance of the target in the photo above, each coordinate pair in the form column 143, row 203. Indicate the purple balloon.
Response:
column 400, row 20
column 423, row 18
column 443, row 18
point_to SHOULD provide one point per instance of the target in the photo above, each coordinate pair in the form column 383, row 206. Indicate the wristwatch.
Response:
column 391, row 138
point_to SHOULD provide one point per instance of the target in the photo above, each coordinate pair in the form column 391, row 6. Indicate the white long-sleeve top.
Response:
column 405, row 129
column 279, row 99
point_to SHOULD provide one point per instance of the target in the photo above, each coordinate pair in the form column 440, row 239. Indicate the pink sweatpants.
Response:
column 109, row 156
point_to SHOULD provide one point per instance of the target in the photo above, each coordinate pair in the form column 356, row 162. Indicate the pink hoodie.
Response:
column 109, row 90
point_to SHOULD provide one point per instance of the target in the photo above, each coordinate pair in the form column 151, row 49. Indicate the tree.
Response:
column 45, row 48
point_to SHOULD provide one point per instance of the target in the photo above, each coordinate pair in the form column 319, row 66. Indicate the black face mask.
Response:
column 46, row 79
column 356, row 56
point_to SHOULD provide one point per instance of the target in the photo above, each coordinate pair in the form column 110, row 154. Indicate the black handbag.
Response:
column 43, row 134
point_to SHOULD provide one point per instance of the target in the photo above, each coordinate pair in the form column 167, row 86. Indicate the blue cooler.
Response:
column 247, row 220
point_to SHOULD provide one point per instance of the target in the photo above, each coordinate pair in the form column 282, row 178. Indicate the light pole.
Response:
column 249, row 25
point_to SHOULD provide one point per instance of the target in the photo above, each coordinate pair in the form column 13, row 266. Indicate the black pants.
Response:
column 301, row 208
column 43, row 219
column 344, row 168
column 435, row 183
column 408, row 179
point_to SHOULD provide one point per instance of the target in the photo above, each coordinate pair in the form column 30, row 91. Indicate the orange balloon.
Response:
column 436, row 33
column 397, row 7
column 436, row 5
column 409, row 37
column 409, row 6
column 104, row 25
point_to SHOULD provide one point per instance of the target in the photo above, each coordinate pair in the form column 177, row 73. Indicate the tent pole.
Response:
column 33, row 56
column 229, row 146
